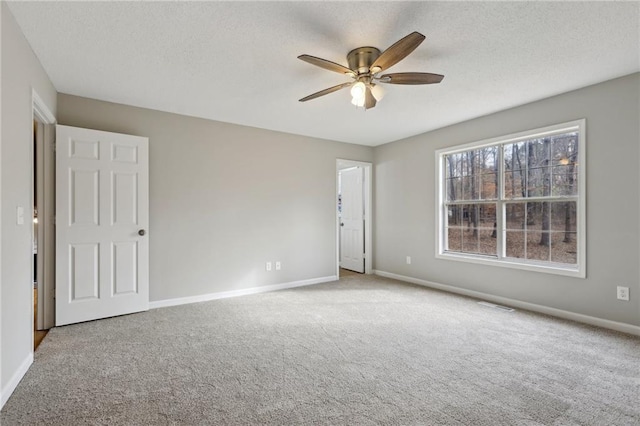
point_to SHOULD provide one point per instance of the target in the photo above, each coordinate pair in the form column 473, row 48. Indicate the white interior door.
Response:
column 102, row 219
column 352, row 220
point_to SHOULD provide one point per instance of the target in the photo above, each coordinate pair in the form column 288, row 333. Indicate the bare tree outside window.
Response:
column 529, row 186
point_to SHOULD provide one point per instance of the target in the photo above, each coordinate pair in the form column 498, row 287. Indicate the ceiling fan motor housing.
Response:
column 361, row 58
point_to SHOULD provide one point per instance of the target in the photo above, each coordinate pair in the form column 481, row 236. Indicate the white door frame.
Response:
column 368, row 209
column 46, row 211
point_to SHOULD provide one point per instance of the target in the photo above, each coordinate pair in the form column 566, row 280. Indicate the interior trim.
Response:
column 7, row 391
column 235, row 293
column 368, row 211
column 573, row 316
column 40, row 109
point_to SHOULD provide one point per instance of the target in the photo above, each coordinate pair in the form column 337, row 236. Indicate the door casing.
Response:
column 46, row 212
column 368, row 209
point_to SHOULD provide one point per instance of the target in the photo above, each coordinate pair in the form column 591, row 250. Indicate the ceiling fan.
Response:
column 365, row 63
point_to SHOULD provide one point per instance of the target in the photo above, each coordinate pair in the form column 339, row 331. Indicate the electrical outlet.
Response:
column 268, row 266
column 278, row 266
column 408, row 260
column 623, row 293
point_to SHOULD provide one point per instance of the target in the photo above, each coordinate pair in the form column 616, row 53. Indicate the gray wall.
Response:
column 227, row 198
column 21, row 71
column 224, row 199
column 405, row 204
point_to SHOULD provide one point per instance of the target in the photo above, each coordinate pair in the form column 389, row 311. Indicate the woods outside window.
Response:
column 517, row 201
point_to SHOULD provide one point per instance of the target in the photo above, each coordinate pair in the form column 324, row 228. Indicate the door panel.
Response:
column 102, row 202
column 84, row 265
column 85, row 197
column 125, row 262
column 124, row 199
column 352, row 220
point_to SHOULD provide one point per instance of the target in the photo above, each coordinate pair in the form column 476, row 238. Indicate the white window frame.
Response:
column 578, row 270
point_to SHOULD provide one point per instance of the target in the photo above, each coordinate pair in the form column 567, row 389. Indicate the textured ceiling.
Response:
column 236, row 61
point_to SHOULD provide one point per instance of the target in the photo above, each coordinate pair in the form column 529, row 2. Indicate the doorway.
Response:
column 42, row 219
column 37, row 241
column 354, row 228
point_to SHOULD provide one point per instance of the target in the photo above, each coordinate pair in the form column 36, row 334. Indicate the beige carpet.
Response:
column 362, row 351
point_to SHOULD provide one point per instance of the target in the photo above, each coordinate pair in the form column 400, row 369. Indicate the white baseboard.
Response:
column 6, row 392
column 242, row 292
column 586, row 319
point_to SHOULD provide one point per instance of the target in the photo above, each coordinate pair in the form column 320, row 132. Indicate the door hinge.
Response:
column 53, row 145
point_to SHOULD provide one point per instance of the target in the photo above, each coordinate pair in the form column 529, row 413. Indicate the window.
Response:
column 515, row 201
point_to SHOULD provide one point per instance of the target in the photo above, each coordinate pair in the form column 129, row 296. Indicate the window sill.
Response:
column 556, row 269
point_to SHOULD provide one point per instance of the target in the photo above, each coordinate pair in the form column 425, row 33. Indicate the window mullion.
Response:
column 500, row 233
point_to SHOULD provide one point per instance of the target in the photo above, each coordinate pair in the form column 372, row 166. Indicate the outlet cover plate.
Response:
column 623, row 293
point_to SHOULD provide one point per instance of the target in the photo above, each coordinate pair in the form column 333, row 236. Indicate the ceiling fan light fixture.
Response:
column 357, row 90
column 358, row 102
column 375, row 70
column 377, row 91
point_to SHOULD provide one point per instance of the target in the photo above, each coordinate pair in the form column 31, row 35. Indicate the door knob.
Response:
column 141, row 232
column 342, row 224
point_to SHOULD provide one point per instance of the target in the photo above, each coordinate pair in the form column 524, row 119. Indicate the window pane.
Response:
column 488, row 243
column 536, row 214
column 488, row 171
column 453, row 165
column 489, row 186
column 468, row 190
column 515, row 216
column 470, row 241
column 538, row 168
column 515, row 244
column 515, row 164
column 454, row 239
column 538, row 245
column 448, row 165
column 454, row 189
column 468, row 212
column 563, row 216
column 564, row 247
column 514, row 186
column 564, row 180
column 514, row 156
column 487, row 216
column 454, row 215
column 565, row 162
column 473, row 226
column 565, row 149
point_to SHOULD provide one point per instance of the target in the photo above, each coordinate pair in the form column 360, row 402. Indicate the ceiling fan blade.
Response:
column 411, row 78
column 325, row 92
column 398, row 51
column 369, row 99
column 328, row 65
